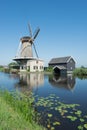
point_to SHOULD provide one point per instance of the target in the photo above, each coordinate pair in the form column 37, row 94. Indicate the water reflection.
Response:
column 62, row 81
column 29, row 81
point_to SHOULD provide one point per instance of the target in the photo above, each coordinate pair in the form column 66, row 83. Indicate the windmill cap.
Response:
column 25, row 39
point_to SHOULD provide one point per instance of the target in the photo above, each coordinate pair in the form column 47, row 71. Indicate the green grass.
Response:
column 16, row 114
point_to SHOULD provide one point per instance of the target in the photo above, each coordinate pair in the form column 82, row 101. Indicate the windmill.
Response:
column 24, row 56
column 25, row 48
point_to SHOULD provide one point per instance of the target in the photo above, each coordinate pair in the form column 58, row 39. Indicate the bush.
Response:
column 80, row 72
column 13, row 65
column 1, row 68
column 49, row 69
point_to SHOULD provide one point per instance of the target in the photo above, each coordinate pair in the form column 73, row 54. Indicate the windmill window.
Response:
column 40, row 67
column 34, row 67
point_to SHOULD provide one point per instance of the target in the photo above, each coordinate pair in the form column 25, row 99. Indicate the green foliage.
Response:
column 10, row 119
column 56, row 123
column 18, row 111
column 13, row 65
column 4, row 69
column 20, row 103
column 65, row 111
column 1, row 68
column 49, row 69
column 85, row 125
column 80, row 127
column 80, row 72
column 27, row 107
column 72, row 118
column 49, row 115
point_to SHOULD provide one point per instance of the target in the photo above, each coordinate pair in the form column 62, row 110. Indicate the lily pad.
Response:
column 52, row 128
column 85, row 125
column 72, row 118
column 82, row 120
column 80, row 127
column 49, row 115
column 56, row 123
column 78, row 112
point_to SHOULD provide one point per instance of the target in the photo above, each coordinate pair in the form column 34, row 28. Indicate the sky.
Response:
column 62, row 23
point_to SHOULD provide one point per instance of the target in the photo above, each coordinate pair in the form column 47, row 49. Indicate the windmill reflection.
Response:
column 29, row 81
column 62, row 81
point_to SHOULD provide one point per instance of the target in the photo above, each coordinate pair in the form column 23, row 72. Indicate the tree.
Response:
column 13, row 65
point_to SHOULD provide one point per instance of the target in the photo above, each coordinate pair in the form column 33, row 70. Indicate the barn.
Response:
column 62, row 64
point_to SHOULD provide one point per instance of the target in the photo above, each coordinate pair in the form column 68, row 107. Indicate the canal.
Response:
column 61, row 101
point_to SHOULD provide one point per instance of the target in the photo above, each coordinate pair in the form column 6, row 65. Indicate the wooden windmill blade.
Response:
column 36, row 33
column 33, row 37
column 30, row 30
column 35, row 50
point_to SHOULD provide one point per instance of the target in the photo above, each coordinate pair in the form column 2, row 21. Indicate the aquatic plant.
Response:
column 42, row 109
column 64, row 111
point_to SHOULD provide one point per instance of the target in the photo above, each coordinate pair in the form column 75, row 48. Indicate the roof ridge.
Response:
column 60, row 59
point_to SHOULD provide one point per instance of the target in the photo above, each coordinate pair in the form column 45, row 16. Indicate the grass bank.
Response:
column 17, row 113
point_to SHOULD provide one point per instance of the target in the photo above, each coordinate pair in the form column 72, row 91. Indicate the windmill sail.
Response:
column 32, row 38
column 36, row 33
column 30, row 30
column 25, row 46
column 35, row 50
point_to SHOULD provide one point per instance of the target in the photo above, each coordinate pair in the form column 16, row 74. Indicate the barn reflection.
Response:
column 62, row 81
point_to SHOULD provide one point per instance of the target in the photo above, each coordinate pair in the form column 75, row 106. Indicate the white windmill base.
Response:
column 30, row 64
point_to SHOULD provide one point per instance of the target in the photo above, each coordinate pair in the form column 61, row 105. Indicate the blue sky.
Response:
column 63, row 28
